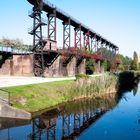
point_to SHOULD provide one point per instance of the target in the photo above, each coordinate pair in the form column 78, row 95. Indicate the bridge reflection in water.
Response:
column 69, row 121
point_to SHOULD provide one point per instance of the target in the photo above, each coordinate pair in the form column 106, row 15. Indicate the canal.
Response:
column 116, row 117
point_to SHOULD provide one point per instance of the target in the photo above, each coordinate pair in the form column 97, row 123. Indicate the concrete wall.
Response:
column 81, row 68
column 69, row 69
column 50, row 45
column 18, row 65
column 7, row 111
column 6, row 67
column 52, row 70
column 22, row 64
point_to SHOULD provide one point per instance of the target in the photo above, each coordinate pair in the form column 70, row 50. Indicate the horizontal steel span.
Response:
column 49, row 8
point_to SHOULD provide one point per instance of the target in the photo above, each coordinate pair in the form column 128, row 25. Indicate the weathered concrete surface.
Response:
column 68, row 69
column 12, row 122
column 50, row 45
column 52, row 70
column 7, row 111
column 71, row 67
column 81, row 68
column 22, row 65
column 18, row 65
column 6, row 67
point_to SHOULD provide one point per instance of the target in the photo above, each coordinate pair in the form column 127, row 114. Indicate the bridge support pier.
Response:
column 69, row 68
column 52, row 66
column 97, row 66
column 14, row 64
column 81, row 67
column 102, row 67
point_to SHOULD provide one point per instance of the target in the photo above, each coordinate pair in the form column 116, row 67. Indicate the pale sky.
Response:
column 116, row 20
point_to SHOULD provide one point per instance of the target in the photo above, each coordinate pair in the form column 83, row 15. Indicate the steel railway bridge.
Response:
column 45, row 49
column 45, row 58
column 54, row 126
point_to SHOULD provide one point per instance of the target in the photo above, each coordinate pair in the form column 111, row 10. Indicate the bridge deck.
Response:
column 14, row 50
column 48, row 7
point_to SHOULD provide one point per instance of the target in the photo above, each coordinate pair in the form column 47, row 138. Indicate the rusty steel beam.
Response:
column 86, row 40
column 66, row 34
column 38, row 42
column 77, row 37
column 52, row 26
column 48, row 7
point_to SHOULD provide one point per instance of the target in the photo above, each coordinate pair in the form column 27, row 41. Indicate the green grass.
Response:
column 38, row 96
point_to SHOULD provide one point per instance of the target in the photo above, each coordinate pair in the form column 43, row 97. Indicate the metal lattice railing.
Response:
column 14, row 50
column 4, row 96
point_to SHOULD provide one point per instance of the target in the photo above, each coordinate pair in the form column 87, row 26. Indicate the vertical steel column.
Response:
column 97, row 46
column 51, row 129
column 77, row 118
column 93, row 44
column 36, row 130
column 86, row 40
column 52, row 26
column 38, row 42
column 101, row 47
column 66, row 34
column 66, row 125
column 77, row 37
column 110, row 59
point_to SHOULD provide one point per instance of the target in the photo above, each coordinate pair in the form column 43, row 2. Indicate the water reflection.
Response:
column 65, row 122
column 68, row 121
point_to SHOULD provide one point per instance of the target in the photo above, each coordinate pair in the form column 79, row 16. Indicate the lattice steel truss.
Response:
column 77, row 37
column 66, row 34
column 66, row 125
column 93, row 47
column 86, row 40
column 38, row 42
column 52, row 26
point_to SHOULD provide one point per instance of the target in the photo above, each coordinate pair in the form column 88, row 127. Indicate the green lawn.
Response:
column 38, row 96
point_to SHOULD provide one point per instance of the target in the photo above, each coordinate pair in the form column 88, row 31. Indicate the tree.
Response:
column 90, row 66
column 16, row 43
column 135, row 61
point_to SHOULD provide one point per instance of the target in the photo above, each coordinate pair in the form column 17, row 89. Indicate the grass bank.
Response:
column 36, row 97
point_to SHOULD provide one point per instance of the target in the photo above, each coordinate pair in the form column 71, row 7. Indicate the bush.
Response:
column 79, row 76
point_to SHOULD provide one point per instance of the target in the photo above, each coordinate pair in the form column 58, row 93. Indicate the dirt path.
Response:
column 8, row 81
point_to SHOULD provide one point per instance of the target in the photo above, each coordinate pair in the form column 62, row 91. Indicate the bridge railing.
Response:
column 14, row 50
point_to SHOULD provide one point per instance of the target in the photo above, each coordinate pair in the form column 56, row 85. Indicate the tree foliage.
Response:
column 135, row 61
column 90, row 66
column 16, row 43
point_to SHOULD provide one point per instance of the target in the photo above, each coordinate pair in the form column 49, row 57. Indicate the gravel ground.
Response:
column 7, row 81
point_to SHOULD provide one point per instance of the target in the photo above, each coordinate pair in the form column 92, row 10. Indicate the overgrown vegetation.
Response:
column 92, row 87
column 40, row 96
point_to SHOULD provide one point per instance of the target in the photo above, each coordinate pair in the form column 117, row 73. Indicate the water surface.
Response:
column 111, row 118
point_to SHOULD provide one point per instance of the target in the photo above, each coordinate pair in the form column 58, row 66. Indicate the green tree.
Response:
column 90, row 66
column 135, row 61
